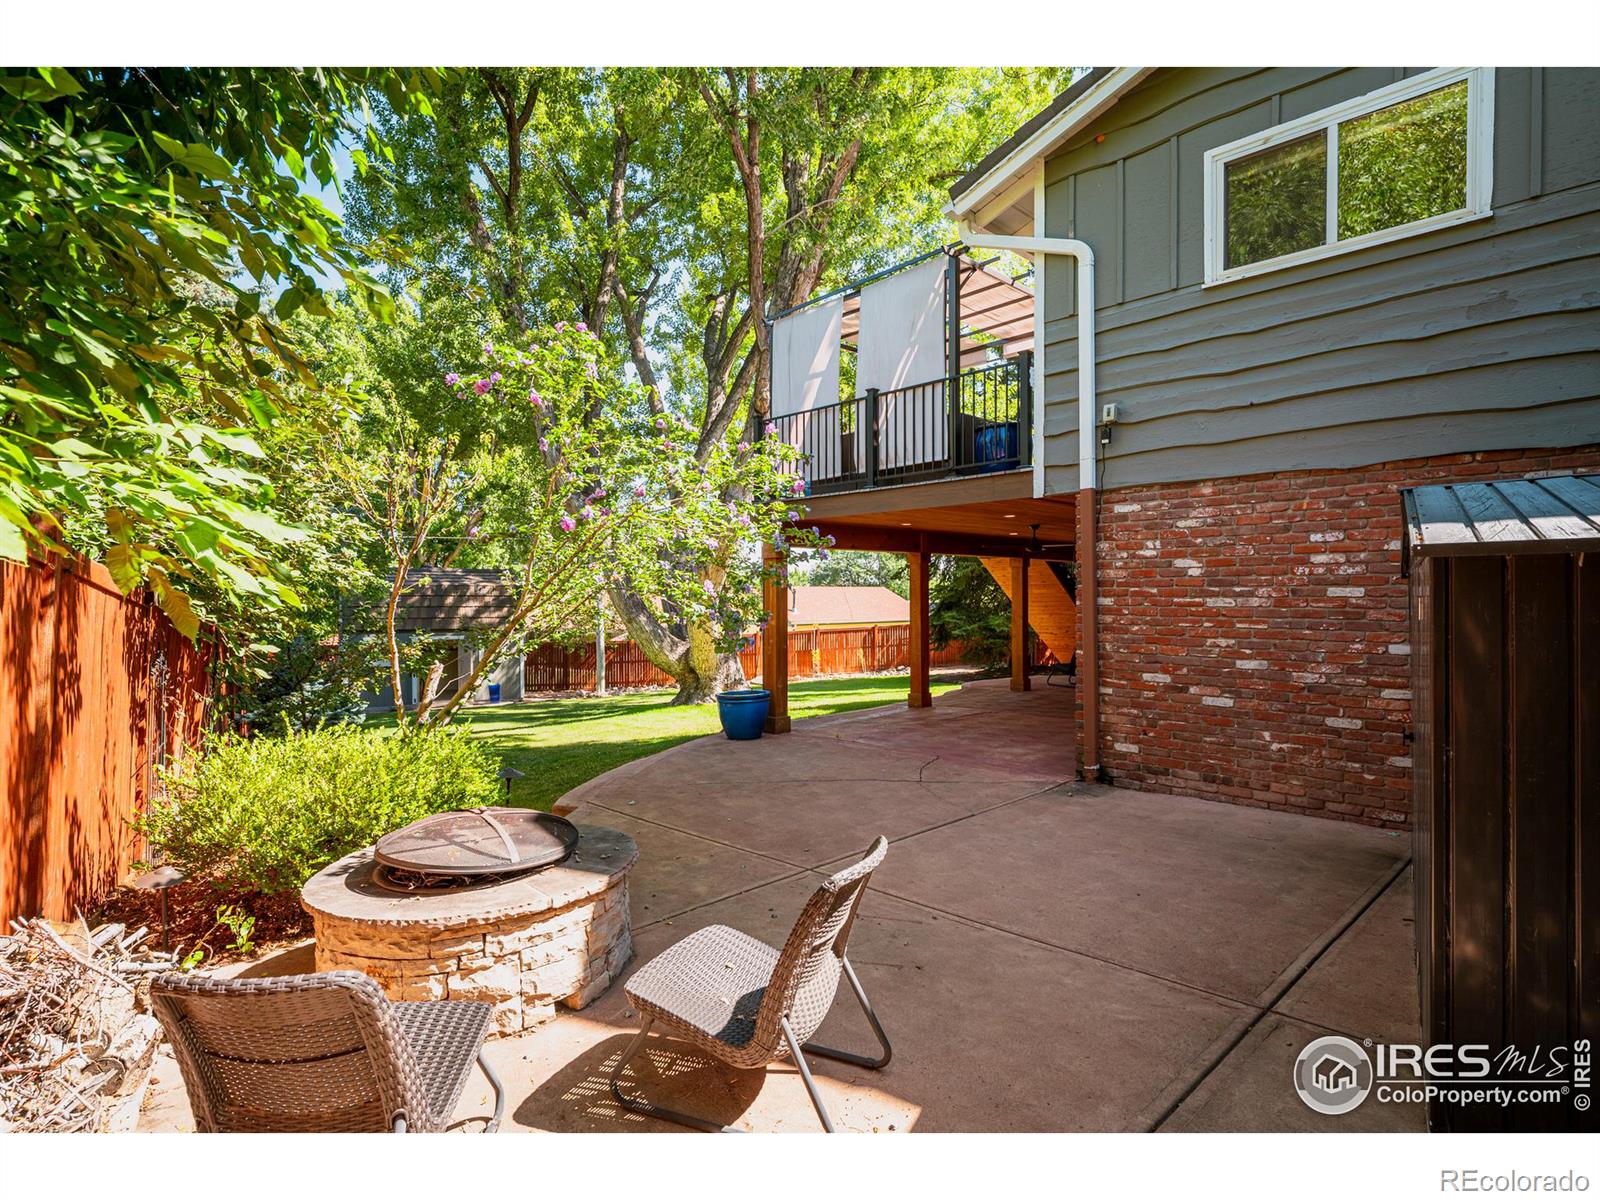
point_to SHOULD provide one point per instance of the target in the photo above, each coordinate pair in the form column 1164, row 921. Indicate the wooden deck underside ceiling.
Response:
column 959, row 517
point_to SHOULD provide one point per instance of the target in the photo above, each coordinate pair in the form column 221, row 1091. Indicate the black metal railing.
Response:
column 916, row 434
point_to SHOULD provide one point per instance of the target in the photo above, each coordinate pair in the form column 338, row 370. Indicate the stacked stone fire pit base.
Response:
column 524, row 944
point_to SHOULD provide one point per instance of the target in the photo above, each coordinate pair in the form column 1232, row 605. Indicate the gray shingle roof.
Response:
column 451, row 599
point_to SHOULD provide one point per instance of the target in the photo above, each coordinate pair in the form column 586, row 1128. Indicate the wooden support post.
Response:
column 917, row 652
column 1019, row 625
column 775, row 642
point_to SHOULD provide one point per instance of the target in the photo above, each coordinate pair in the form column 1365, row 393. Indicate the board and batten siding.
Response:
column 1481, row 336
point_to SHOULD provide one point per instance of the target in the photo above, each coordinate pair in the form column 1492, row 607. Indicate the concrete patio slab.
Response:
column 1337, row 993
column 1045, row 956
column 684, row 871
column 804, row 824
column 1211, row 895
column 990, row 1031
column 1252, row 1091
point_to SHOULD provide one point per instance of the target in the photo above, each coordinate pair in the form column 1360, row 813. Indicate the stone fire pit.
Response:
column 524, row 944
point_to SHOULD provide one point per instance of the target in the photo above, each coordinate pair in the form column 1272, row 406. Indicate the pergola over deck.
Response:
column 991, row 517
column 920, row 371
column 994, row 309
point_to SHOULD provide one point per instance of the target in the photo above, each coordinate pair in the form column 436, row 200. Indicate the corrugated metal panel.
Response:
column 1510, row 516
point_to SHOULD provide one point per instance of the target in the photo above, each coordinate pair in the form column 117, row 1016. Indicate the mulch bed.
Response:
column 192, row 915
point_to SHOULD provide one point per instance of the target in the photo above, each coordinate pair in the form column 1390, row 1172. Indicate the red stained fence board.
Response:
column 84, row 718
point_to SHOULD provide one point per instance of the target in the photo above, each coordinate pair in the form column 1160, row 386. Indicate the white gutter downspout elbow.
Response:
column 1083, row 255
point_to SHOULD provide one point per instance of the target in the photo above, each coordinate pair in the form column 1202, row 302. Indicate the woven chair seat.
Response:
column 709, row 986
column 322, row 1052
column 743, row 1002
column 444, row 1036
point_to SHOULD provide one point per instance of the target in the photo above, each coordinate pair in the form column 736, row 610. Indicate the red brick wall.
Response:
column 1253, row 634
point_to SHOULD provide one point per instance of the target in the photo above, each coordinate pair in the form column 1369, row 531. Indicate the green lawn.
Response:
column 558, row 744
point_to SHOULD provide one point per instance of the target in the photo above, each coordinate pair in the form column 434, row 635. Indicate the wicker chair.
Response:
column 320, row 1053
column 749, row 1005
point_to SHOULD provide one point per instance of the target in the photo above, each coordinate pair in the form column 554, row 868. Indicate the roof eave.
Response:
column 1027, row 146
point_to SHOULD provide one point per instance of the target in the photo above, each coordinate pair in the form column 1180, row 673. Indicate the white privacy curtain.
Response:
column 805, row 378
column 902, row 346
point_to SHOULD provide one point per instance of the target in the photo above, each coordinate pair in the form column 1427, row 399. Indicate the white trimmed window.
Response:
column 1399, row 161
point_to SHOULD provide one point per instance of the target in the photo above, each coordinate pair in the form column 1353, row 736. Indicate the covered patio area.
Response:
column 1045, row 955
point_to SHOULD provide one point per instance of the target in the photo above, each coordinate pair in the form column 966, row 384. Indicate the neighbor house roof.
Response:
column 846, row 606
column 1555, row 514
column 1003, row 169
column 453, row 599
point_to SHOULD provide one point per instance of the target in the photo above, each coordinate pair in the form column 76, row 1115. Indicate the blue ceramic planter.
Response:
column 743, row 712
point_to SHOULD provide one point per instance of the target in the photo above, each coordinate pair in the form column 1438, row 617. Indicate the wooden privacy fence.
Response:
column 556, row 668
column 96, row 689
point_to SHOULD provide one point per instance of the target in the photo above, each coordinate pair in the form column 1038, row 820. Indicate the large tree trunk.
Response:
column 709, row 671
column 693, row 661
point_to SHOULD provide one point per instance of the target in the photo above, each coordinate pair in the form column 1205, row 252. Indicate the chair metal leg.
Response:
column 805, row 1075
column 644, row 1107
column 499, row 1093
column 860, row 1060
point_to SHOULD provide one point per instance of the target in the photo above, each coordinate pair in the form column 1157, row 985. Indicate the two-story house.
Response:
column 1262, row 302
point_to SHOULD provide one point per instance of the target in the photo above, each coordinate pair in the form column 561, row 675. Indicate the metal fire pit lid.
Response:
column 478, row 841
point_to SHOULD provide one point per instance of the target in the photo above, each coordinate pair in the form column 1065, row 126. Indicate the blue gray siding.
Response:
column 1481, row 336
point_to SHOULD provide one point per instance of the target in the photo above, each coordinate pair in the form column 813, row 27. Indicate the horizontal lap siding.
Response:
column 1484, row 336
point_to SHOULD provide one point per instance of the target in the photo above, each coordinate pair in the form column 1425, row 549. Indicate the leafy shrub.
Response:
column 307, row 683
column 268, row 813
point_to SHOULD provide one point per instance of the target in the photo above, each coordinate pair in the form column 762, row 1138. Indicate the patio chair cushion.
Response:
column 708, row 986
column 445, row 1037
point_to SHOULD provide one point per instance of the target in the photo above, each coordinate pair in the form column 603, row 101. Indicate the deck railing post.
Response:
column 871, row 419
column 952, row 391
column 1024, row 408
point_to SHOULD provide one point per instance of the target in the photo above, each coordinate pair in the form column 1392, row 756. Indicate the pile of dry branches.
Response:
column 76, row 1037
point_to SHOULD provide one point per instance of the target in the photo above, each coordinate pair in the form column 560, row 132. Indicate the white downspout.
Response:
column 1083, row 255
column 1088, row 413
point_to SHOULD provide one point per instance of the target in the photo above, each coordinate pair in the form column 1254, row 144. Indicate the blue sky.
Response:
column 345, row 168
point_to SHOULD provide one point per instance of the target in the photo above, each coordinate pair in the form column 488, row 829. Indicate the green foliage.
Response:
column 1277, row 201
column 1403, row 163
column 154, row 236
column 823, row 568
column 307, row 682
column 544, row 460
column 240, row 924
column 966, row 605
column 266, row 814
column 672, row 210
column 1400, row 164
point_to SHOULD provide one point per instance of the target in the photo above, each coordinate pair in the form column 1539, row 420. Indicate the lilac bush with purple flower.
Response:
column 548, row 427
